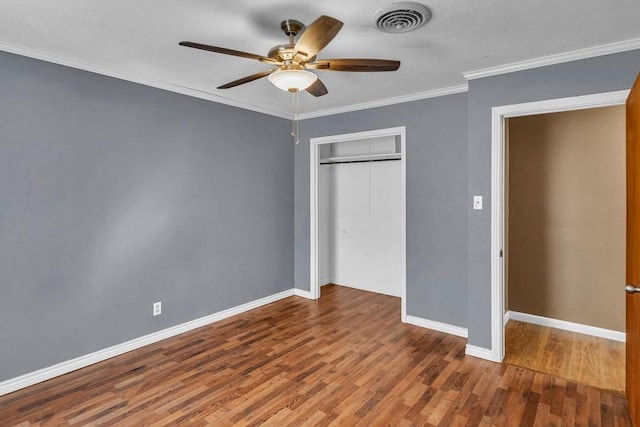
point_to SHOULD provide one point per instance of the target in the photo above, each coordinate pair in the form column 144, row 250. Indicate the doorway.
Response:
column 379, row 145
column 499, row 116
column 565, row 210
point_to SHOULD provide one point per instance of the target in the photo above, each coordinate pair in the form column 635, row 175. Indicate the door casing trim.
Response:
column 314, row 145
column 498, row 116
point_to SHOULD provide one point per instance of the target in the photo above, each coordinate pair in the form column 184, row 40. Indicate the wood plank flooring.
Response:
column 585, row 359
column 344, row 360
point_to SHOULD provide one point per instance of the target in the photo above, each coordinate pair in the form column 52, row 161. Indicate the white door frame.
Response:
column 498, row 116
column 314, row 159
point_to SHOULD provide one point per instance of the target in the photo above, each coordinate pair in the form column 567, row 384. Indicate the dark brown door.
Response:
column 633, row 253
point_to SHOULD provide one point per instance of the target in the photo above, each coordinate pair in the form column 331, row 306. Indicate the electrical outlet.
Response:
column 157, row 308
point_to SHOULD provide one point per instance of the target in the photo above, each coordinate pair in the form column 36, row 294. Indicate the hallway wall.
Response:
column 567, row 206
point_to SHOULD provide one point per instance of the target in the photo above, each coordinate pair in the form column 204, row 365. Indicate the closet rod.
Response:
column 356, row 161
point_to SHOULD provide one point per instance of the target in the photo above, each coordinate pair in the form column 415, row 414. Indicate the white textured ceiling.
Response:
column 139, row 40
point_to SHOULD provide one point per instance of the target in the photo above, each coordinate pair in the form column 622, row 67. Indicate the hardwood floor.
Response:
column 343, row 360
column 585, row 359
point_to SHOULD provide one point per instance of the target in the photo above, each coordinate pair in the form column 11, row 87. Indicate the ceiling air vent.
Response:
column 402, row 17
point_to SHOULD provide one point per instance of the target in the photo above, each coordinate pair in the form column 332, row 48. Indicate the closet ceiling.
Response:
column 138, row 40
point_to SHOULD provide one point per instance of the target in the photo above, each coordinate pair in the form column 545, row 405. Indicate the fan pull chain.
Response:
column 293, row 117
column 369, row 177
column 294, row 121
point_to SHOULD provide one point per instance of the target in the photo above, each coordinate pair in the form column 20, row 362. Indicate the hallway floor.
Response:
column 585, row 359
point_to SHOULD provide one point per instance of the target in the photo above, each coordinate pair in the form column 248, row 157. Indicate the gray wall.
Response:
column 595, row 75
column 114, row 195
column 436, row 199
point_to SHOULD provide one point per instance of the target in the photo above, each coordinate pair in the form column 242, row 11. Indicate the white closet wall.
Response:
column 360, row 218
column 324, row 223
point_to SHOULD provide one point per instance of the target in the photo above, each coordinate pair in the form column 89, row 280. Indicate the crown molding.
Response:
column 159, row 84
column 171, row 87
column 590, row 52
column 575, row 55
column 387, row 101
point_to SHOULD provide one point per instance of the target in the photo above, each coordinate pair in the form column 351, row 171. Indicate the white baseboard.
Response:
column 438, row 326
column 568, row 326
column 479, row 352
column 506, row 318
column 302, row 293
column 366, row 289
column 62, row 368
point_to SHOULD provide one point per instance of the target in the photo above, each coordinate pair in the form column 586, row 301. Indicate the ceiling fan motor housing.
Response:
column 281, row 52
column 291, row 27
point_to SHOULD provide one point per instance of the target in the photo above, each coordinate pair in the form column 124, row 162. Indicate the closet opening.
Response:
column 358, row 213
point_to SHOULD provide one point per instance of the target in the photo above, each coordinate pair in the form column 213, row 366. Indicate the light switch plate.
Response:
column 477, row 203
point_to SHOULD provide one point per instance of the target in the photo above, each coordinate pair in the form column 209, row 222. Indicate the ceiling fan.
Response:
column 295, row 58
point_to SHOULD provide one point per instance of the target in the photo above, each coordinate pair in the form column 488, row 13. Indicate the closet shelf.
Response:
column 366, row 157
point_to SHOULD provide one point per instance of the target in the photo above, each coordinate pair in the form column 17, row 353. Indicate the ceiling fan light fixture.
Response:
column 292, row 80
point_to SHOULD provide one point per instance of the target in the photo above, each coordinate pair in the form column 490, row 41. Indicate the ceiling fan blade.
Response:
column 246, row 79
column 226, row 51
column 317, row 88
column 353, row 64
column 316, row 37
